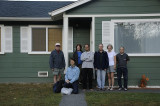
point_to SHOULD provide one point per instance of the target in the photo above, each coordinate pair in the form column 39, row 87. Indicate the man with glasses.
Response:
column 87, row 67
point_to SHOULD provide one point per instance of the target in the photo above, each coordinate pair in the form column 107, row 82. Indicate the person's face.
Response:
column 57, row 47
column 86, row 48
column 78, row 48
column 109, row 48
column 71, row 62
column 121, row 50
column 100, row 47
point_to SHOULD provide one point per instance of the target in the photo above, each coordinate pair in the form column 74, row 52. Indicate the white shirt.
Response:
column 111, row 57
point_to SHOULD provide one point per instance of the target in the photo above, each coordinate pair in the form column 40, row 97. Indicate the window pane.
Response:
column 137, row 37
column 0, row 39
column 54, row 36
column 38, row 39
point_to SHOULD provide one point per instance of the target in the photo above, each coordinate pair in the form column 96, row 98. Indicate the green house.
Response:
column 29, row 30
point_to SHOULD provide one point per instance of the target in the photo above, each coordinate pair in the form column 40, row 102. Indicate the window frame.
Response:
column 2, row 39
column 30, row 38
column 113, row 21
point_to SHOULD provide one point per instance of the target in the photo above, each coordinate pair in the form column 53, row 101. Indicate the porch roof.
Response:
column 68, row 7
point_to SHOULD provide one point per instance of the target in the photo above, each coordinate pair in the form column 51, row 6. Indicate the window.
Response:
column 138, row 37
column 54, row 36
column 43, row 39
column 38, row 39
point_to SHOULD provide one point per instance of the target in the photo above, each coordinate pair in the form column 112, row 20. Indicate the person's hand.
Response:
column 115, row 67
column 105, row 69
column 52, row 69
column 67, row 81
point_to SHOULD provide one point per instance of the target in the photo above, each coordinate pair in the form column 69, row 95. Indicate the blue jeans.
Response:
column 101, row 75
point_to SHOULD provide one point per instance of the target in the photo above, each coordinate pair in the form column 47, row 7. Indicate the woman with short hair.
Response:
column 112, row 66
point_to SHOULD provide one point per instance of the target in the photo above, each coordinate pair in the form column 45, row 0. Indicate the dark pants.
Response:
column 73, row 85
column 123, row 71
column 80, row 76
column 87, row 75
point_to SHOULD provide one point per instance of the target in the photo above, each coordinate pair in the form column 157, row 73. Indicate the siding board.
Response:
column 22, row 67
column 117, row 7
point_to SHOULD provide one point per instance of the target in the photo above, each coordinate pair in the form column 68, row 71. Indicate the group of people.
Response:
column 82, row 65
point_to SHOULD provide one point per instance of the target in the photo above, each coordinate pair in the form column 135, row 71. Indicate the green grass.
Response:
column 28, row 95
column 122, row 99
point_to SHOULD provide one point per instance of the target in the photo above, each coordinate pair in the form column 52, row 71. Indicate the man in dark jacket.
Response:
column 122, row 60
column 57, row 63
column 101, row 64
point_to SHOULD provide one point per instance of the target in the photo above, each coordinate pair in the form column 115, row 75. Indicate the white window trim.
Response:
column 70, row 51
column 2, row 39
column 30, row 38
column 113, row 21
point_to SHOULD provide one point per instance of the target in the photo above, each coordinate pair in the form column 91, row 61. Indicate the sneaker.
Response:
column 103, row 89
column 91, row 89
column 108, row 88
column 111, row 89
column 119, row 89
column 84, row 90
column 125, row 89
column 98, row 89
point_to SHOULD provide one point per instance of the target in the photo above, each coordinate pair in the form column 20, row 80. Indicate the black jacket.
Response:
column 57, row 60
column 75, row 56
column 105, row 60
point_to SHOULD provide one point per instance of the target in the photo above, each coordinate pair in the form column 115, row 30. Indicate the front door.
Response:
column 81, row 36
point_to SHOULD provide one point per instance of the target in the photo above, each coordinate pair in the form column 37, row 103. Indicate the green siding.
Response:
column 117, row 7
column 150, row 66
column 22, row 67
column 81, row 36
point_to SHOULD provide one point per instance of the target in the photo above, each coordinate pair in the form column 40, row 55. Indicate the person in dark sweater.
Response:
column 57, row 63
column 122, row 60
column 77, row 57
column 101, row 64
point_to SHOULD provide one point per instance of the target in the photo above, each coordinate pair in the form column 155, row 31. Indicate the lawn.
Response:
column 122, row 99
column 28, row 95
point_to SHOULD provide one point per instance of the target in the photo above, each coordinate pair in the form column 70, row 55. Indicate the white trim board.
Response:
column 132, row 86
column 25, row 19
column 2, row 39
column 115, row 15
column 68, row 7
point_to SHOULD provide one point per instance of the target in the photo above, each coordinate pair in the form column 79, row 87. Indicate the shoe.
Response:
column 80, row 83
column 98, row 89
column 103, row 89
column 125, row 89
column 91, row 89
column 111, row 89
column 84, row 90
column 108, row 88
column 119, row 89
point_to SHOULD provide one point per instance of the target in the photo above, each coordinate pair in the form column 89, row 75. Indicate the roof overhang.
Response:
column 68, row 7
